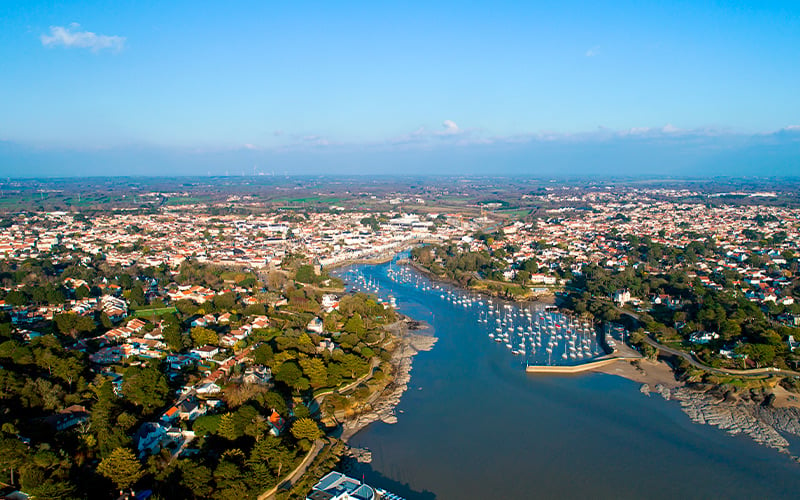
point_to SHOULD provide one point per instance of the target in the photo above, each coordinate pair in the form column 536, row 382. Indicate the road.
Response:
column 297, row 473
column 755, row 372
column 316, row 403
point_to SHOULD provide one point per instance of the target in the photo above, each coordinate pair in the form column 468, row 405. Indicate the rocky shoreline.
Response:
column 755, row 413
column 749, row 413
column 382, row 405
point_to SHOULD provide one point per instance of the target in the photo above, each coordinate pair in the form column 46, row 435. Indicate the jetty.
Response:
column 570, row 369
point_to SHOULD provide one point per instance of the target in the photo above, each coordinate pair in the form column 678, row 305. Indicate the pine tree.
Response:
column 227, row 427
column 305, row 428
column 122, row 467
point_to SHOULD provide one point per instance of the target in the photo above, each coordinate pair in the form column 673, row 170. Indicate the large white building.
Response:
column 337, row 486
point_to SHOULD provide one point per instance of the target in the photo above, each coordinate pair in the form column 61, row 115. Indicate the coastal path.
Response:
column 316, row 403
column 297, row 473
column 755, row 372
column 692, row 360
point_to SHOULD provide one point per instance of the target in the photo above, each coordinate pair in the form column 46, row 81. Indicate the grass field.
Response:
column 515, row 213
column 308, row 199
column 188, row 200
column 146, row 313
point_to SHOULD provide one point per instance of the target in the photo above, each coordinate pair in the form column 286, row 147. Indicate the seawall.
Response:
column 554, row 369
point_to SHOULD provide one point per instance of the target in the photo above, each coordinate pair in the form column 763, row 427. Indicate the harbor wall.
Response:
column 553, row 369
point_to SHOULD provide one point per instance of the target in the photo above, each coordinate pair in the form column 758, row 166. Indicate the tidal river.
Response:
column 474, row 425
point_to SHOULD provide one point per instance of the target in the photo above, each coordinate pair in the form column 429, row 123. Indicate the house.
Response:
column 792, row 343
column 177, row 438
column 276, row 423
column 11, row 493
column 107, row 356
column 68, row 417
column 326, row 345
column 257, row 374
column 543, row 278
column 148, row 438
column 208, row 388
column 329, row 302
column 622, row 297
column 28, row 335
column 790, row 319
column 206, row 351
column 703, row 337
column 170, row 415
column 154, row 335
column 208, row 319
column 201, row 321
column 136, row 324
column 315, row 326
column 190, row 410
column 230, row 339
column 337, row 486
column 181, row 361
column 260, row 322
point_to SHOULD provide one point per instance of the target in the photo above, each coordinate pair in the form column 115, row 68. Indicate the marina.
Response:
column 532, row 332
column 474, row 425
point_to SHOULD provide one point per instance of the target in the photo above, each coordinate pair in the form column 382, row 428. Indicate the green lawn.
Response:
column 146, row 313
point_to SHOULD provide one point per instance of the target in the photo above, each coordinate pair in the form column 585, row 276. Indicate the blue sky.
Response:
column 591, row 87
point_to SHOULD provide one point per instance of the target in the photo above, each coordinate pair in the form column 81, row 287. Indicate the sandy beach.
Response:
column 643, row 371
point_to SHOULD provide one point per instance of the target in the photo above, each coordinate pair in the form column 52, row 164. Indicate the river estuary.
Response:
column 474, row 425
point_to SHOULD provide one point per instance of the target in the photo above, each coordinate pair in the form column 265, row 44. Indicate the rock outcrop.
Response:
column 382, row 408
column 750, row 414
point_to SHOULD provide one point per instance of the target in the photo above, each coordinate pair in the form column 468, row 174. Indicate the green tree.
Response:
column 288, row 373
column 122, row 467
column 197, row 478
column 225, row 301
column 305, row 274
column 272, row 451
column 82, row 292
column 354, row 365
column 105, row 320
column 305, row 428
column 263, row 354
column 146, row 387
column 108, row 435
column 13, row 455
column 204, row 336
column 227, row 427
column 315, row 370
column 174, row 339
column 68, row 369
column 73, row 324
column 762, row 354
column 355, row 324
column 54, row 489
column 186, row 306
column 16, row 298
column 137, row 296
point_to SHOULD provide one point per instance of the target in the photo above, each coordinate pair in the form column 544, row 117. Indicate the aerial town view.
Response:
column 245, row 252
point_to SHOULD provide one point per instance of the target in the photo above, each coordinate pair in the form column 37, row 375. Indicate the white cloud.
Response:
column 670, row 129
column 71, row 36
column 593, row 51
column 450, row 128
